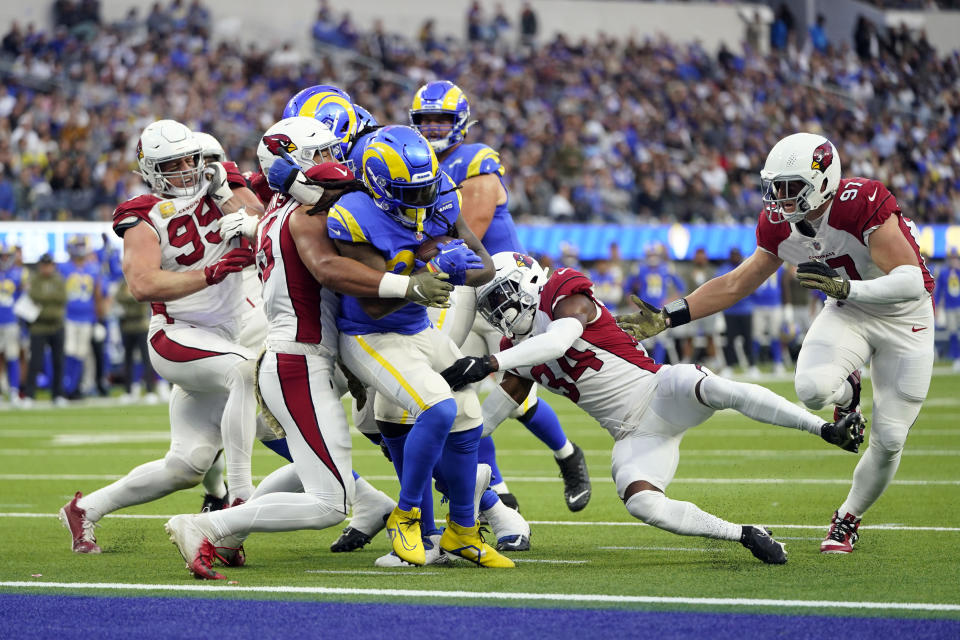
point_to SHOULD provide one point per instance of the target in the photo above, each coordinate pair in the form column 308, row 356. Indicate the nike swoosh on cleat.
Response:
column 578, row 496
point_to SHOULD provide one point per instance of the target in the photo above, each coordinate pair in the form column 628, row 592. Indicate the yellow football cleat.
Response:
column 467, row 543
column 403, row 528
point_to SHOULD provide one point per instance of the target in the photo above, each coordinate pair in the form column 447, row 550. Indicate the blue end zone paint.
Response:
column 47, row 616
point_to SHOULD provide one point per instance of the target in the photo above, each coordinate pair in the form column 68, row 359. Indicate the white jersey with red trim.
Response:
column 605, row 372
column 298, row 308
column 842, row 237
column 189, row 238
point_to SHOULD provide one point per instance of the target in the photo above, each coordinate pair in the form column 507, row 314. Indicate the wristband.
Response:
column 393, row 285
column 678, row 311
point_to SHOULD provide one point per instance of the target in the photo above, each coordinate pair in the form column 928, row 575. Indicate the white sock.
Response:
column 871, row 477
column 272, row 512
column 758, row 403
column 213, row 478
column 500, row 487
column 369, row 505
column 238, row 428
column 145, row 483
column 564, row 452
column 682, row 518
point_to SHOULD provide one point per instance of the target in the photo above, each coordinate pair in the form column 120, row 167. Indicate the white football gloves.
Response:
column 238, row 224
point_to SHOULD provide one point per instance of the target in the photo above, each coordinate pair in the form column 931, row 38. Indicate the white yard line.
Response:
column 494, row 595
column 537, row 479
column 666, row 549
column 549, row 523
column 388, row 572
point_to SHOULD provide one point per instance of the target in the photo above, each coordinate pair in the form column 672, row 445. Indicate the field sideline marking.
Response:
column 497, row 595
column 570, row 523
column 546, row 479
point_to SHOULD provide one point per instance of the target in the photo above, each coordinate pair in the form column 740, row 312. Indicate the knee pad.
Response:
column 243, row 373
column 813, row 388
column 189, row 471
column 469, row 414
column 647, row 506
column 888, row 439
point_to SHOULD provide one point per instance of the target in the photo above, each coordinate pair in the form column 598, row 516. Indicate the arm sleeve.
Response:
column 902, row 284
column 550, row 345
column 496, row 408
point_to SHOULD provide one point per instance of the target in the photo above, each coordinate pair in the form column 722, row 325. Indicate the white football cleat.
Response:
column 196, row 550
column 510, row 528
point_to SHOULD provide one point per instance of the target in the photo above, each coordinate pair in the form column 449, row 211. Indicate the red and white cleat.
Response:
column 842, row 534
column 75, row 519
column 855, row 381
column 196, row 550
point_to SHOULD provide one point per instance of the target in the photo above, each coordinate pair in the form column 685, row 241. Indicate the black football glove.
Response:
column 467, row 370
column 819, row 275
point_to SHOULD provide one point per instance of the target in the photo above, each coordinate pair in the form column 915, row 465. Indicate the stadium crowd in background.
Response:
column 594, row 130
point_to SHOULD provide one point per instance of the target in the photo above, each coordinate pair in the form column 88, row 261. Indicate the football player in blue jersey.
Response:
column 11, row 288
column 948, row 302
column 767, row 320
column 657, row 281
column 85, row 293
column 441, row 112
column 394, row 348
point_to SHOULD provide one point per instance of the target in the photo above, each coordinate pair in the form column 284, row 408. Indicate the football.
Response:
column 428, row 249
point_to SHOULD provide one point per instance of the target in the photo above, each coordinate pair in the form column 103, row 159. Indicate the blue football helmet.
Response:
column 305, row 101
column 441, row 97
column 401, row 169
column 77, row 246
column 364, row 117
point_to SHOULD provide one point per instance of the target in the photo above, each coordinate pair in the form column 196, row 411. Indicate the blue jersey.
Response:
column 948, row 288
column 82, row 280
column 466, row 161
column 741, row 307
column 652, row 284
column 355, row 218
column 769, row 293
column 11, row 286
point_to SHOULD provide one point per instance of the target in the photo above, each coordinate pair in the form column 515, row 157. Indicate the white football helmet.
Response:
column 509, row 302
column 162, row 142
column 300, row 138
column 210, row 147
column 802, row 169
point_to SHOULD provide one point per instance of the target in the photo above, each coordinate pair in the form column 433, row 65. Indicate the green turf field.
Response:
column 909, row 551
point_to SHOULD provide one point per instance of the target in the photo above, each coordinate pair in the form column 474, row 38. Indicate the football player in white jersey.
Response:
column 559, row 335
column 175, row 257
column 300, row 269
column 849, row 240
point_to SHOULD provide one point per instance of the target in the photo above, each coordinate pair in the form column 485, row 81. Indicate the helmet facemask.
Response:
column 410, row 203
column 505, row 306
column 787, row 197
column 171, row 179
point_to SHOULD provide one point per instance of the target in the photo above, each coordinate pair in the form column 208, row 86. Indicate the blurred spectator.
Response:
column 781, row 29
column 84, row 286
column 501, row 23
column 818, row 35
column 134, row 322
column 607, row 284
column 12, row 281
column 475, row 23
column 528, row 25
column 739, row 321
column 48, row 291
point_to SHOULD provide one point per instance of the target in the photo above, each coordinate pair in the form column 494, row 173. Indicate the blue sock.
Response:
column 487, row 454
column 542, row 421
column 422, row 450
column 72, row 370
column 13, row 373
column 395, row 447
column 458, row 466
column 356, row 476
column 279, row 447
column 954, row 346
column 428, row 521
column 776, row 354
column 755, row 349
column 488, row 499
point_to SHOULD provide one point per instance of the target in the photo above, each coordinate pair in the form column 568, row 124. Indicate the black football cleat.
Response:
column 509, row 500
column 762, row 546
column 576, row 479
column 213, row 503
column 846, row 433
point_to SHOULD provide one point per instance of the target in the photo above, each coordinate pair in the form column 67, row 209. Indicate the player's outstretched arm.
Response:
column 352, row 277
column 726, row 290
column 141, row 268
